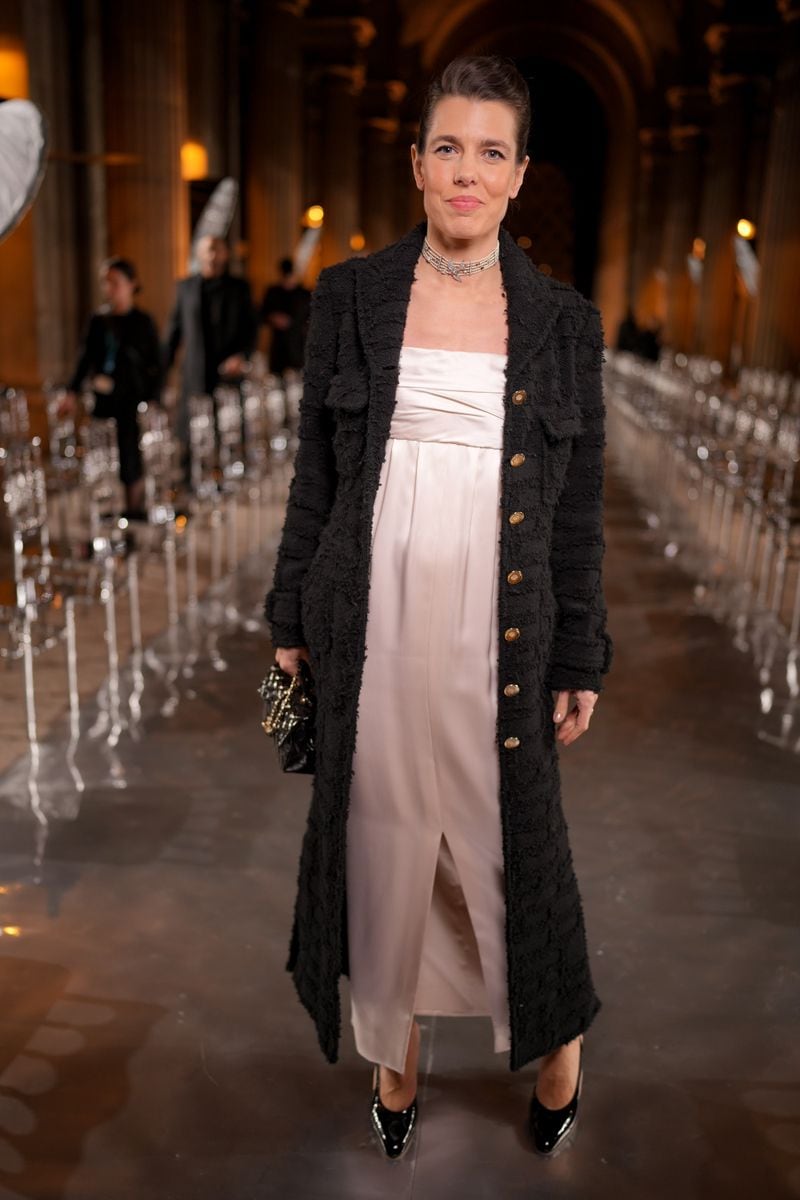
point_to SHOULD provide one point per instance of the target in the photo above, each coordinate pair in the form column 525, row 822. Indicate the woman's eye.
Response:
column 498, row 152
column 444, row 148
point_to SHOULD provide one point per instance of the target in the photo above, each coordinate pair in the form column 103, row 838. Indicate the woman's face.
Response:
column 468, row 171
column 118, row 290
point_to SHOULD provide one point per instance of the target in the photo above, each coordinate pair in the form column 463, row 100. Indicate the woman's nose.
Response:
column 466, row 172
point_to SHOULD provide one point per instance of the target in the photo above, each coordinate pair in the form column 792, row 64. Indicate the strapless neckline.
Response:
column 445, row 350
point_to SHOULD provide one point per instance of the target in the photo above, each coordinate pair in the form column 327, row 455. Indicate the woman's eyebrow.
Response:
column 451, row 137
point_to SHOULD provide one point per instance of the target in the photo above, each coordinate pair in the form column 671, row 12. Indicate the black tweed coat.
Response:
column 551, row 611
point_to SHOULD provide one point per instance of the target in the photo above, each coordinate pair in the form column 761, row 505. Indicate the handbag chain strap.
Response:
column 272, row 722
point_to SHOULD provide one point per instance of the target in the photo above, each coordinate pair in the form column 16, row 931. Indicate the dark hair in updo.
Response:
column 125, row 267
column 480, row 77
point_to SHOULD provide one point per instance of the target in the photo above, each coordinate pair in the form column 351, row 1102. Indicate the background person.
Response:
column 213, row 320
column 121, row 358
column 285, row 310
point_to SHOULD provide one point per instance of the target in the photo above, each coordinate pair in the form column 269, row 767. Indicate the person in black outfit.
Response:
column 122, row 358
column 285, row 309
column 628, row 333
column 213, row 318
column 650, row 340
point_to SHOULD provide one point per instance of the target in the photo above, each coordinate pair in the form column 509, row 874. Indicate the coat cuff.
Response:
column 282, row 611
column 581, row 671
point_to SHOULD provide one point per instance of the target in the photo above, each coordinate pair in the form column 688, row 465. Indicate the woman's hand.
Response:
column 572, row 722
column 289, row 660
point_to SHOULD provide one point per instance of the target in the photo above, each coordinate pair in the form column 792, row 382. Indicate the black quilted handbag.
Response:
column 289, row 717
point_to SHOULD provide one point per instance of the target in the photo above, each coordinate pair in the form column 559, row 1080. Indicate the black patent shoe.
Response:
column 551, row 1127
column 394, row 1129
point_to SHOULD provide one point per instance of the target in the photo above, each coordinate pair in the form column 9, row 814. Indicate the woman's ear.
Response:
column 519, row 175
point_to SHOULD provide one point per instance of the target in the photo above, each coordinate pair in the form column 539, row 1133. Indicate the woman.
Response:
column 440, row 568
column 121, row 357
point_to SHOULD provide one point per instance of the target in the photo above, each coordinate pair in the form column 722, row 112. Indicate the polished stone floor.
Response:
column 150, row 1042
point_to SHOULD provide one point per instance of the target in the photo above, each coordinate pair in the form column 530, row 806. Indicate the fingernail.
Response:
column 558, row 716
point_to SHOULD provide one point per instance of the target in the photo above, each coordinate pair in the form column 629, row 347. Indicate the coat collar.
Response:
column 383, row 287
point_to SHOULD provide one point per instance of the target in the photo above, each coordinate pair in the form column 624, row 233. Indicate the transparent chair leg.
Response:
column 231, row 511
column 192, row 609
column 137, row 653
column 30, row 694
column 108, row 593
column 134, row 604
column 171, row 573
column 74, row 700
column 216, row 544
column 232, row 541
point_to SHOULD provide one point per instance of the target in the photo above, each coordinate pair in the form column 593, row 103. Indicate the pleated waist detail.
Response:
column 454, row 396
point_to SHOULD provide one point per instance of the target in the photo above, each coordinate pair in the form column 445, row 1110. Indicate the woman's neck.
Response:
column 461, row 249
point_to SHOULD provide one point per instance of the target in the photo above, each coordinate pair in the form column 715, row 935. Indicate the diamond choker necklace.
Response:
column 449, row 266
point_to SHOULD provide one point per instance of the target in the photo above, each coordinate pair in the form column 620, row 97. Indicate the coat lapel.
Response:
column 383, row 289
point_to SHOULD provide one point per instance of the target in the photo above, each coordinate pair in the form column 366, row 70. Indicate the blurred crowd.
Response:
column 210, row 338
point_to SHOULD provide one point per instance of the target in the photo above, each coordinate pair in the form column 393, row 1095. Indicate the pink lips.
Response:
column 464, row 203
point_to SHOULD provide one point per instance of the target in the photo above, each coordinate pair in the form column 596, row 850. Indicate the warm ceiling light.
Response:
column 357, row 241
column 13, row 70
column 746, row 229
column 194, row 161
column 524, row 243
column 314, row 216
column 698, row 249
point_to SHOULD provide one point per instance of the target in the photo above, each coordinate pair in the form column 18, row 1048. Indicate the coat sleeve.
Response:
column 313, row 486
column 89, row 355
column 247, row 328
column 582, row 648
column 174, row 334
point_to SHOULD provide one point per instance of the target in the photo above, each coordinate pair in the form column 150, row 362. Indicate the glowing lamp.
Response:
column 13, row 70
column 194, row 161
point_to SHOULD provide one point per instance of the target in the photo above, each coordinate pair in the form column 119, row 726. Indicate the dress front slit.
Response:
column 425, row 885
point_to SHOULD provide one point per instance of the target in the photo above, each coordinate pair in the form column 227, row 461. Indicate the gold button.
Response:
column 511, row 689
column 511, row 634
column 514, row 576
column 520, row 396
column 511, row 743
column 517, row 460
column 516, row 518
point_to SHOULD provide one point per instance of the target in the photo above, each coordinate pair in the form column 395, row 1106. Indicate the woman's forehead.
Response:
column 467, row 114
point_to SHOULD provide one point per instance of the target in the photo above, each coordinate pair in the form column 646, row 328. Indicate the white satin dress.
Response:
column 425, row 889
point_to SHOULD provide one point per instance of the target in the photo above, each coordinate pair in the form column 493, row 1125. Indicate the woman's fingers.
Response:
column 562, row 707
column 577, row 721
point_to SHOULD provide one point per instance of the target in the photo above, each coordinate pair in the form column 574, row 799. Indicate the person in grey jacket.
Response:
column 214, row 321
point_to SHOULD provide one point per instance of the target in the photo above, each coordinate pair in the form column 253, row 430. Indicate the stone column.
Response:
column 686, row 135
column 145, row 106
column 379, row 185
column 649, row 291
column 776, row 335
column 275, row 199
column 739, row 79
column 335, row 54
column 55, row 281
column 340, row 159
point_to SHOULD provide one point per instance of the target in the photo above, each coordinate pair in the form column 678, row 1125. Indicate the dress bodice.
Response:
column 450, row 396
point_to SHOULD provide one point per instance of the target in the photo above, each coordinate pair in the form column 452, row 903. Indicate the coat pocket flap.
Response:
column 561, row 422
column 348, row 391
